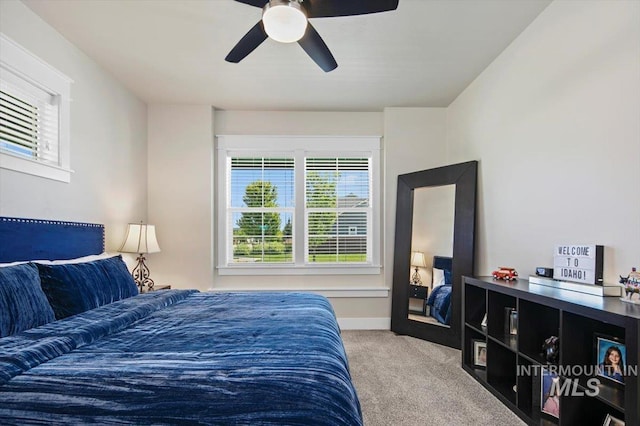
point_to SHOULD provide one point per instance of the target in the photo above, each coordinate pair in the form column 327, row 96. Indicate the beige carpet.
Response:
column 401, row 380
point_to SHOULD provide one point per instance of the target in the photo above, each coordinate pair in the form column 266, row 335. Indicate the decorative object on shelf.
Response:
column 631, row 286
column 549, row 398
column 594, row 290
column 505, row 273
column 417, row 260
column 510, row 321
column 550, row 349
column 544, row 272
column 513, row 323
column 141, row 239
column 479, row 353
column 484, row 321
column 612, row 421
column 578, row 263
column 611, row 356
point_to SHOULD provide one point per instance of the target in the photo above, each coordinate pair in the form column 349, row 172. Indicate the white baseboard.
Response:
column 364, row 323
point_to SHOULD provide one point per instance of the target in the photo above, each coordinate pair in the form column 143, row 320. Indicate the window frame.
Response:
column 34, row 71
column 301, row 147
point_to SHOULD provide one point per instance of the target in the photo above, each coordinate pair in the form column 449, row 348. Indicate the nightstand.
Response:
column 419, row 292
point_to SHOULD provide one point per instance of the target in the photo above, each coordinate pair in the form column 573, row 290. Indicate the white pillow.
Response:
column 438, row 277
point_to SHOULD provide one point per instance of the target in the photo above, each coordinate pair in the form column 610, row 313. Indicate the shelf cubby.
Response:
column 524, row 389
column 497, row 322
column 579, row 332
column 501, row 370
column 584, row 410
column 536, row 323
column 470, row 353
column 474, row 312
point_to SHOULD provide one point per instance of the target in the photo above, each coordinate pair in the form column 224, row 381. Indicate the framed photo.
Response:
column 513, row 323
column 611, row 358
column 479, row 353
column 510, row 321
column 549, row 398
column 612, row 421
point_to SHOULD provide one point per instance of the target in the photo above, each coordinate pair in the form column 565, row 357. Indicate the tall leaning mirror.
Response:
column 434, row 248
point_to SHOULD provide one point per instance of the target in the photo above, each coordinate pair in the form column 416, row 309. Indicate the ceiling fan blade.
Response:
column 316, row 48
column 248, row 43
column 256, row 3
column 331, row 8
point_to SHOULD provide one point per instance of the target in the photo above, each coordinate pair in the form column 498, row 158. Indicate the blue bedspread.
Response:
column 183, row 357
column 440, row 302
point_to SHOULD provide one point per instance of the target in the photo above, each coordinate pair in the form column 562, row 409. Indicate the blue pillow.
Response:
column 23, row 305
column 77, row 287
column 447, row 277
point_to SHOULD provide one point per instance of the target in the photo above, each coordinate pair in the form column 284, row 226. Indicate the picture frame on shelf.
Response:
column 612, row 421
column 479, row 353
column 510, row 321
column 549, row 398
column 513, row 323
column 611, row 358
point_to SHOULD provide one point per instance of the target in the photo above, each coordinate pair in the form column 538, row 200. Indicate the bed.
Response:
column 167, row 357
column 439, row 301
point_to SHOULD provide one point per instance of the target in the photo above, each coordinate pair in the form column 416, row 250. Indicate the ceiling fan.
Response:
column 286, row 21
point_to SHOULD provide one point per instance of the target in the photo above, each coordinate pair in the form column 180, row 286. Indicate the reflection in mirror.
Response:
column 435, row 216
column 431, row 238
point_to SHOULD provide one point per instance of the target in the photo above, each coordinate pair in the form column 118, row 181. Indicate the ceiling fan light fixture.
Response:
column 284, row 20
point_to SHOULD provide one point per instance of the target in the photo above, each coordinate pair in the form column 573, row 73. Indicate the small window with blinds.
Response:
column 34, row 114
column 28, row 122
column 306, row 205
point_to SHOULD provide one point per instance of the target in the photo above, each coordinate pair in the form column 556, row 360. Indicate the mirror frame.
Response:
column 464, row 177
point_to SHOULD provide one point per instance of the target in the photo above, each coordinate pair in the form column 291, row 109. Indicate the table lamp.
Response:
column 141, row 239
column 417, row 260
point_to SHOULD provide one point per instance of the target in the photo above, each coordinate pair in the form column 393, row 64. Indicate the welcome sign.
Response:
column 578, row 263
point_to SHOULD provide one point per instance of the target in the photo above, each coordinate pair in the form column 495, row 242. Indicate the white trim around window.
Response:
column 299, row 148
column 30, row 79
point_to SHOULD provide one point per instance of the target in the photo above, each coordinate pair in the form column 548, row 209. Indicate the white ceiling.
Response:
column 172, row 51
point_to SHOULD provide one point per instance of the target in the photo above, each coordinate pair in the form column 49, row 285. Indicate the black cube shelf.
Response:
column 514, row 360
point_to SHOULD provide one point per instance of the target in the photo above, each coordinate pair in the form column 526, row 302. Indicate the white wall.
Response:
column 415, row 139
column 108, row 140
column 555, row 123
column 180, row 163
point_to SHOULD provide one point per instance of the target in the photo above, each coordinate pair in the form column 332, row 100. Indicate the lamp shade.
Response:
column 140, row 238
column 417, row 259
column 284, row 20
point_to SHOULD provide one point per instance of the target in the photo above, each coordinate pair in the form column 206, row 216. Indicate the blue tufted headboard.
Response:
column 445, row 263
column 36, row 239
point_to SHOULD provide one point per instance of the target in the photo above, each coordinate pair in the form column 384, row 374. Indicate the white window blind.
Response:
column 298, row 205
column 261, row 209
column 338, row 210
column 28, row 121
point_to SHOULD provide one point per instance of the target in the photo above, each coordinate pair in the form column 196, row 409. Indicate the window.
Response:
column 298, row 205
column 34, row 114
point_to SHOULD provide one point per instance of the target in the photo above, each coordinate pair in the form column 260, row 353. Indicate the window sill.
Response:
column 347, row 292
column 31, row 167
column 299, row 270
